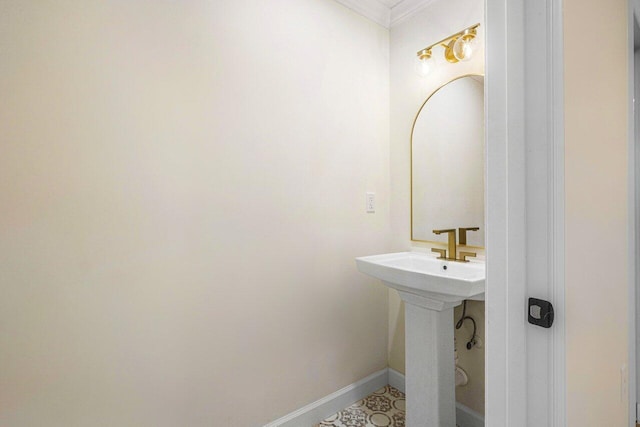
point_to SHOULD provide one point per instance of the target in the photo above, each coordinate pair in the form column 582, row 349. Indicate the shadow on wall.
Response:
column 396, row 340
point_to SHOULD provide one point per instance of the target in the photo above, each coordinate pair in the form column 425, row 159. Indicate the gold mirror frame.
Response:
column 411, row 158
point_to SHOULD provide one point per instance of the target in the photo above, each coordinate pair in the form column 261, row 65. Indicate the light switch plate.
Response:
column 371, row 202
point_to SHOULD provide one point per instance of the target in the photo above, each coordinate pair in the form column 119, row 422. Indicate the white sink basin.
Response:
column 426, row 275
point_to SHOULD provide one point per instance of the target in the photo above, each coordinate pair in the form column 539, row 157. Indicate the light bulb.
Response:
column 424, row 64
column 464, row 46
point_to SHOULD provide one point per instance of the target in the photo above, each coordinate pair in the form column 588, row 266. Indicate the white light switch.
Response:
column 371, row 202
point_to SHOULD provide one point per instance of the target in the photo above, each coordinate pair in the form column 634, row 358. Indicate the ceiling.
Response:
column 386, row 12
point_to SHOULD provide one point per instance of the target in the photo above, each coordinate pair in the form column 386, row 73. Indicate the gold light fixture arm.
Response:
column 446, row 42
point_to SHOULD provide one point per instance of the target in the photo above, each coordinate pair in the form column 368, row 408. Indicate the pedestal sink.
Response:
column 430, row 288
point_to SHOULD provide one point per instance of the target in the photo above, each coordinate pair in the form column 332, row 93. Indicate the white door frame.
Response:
column 557, row 186
column 505, row 293
column 634, row 209
column 508, row 394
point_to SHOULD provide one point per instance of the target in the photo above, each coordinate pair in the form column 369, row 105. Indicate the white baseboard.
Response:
column 329, row 405
column 396, row 379
column 465, row 416
column 315, row 412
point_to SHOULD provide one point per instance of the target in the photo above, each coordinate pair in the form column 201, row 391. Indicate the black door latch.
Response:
column 540, row 312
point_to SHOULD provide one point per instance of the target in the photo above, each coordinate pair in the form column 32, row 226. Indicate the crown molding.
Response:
column 380, row 13
column 406, row 9
column 370, row 9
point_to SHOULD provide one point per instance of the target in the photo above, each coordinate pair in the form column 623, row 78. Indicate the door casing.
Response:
column 525, row 212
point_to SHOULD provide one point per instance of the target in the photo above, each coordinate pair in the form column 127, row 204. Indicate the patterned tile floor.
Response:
column 382, row 408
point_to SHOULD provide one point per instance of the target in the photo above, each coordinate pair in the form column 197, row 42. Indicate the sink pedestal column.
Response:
column 430, row 368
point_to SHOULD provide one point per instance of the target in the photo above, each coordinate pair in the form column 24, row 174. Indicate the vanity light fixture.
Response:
column 457, row 47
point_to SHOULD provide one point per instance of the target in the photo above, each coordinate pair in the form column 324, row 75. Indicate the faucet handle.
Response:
column 442, row 252
column 462, row 231
column 464, row 255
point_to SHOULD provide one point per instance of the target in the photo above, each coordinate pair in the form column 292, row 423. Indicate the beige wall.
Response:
column 408, row 92
column 596, row 209
column 182, row 190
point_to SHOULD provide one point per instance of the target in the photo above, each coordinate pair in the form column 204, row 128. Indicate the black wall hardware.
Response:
column 540, row 312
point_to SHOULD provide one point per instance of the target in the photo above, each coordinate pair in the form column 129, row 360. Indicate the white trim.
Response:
column 556, row 98
column 510, row 91
column 505, row 369
column 343, row 398
column 320, row 409
column 467, row 417
column 396, row 380
column 406, row 9
column 373, row 10
column 380, row 13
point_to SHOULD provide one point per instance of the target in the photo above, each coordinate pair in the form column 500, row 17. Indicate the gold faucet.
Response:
column 451, row 244
column 463, row 233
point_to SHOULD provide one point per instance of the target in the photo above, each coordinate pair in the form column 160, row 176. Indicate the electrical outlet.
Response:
column 371, row 202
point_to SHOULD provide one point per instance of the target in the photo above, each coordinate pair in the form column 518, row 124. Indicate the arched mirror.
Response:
column 448, row 162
